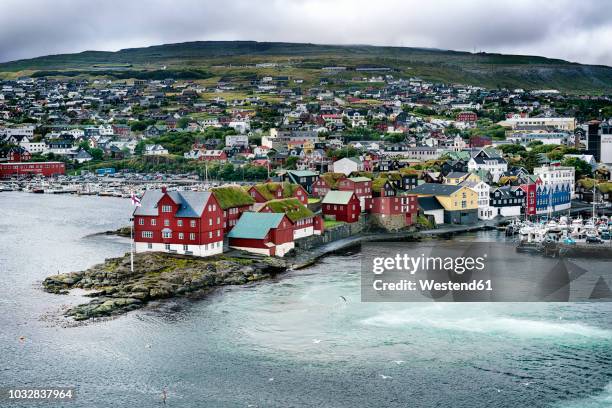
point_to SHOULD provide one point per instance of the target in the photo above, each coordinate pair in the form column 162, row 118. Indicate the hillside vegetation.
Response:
column 210, row 59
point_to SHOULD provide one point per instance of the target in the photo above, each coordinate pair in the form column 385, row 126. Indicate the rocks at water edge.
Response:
column 117, row 290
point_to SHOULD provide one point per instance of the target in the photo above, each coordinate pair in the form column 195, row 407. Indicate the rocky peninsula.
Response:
column 115, row 289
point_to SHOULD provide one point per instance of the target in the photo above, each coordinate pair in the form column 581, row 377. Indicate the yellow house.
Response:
column 473, row 177
column 460, row 203
column 455, row 177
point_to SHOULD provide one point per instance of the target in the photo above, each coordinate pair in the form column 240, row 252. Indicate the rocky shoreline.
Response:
column 117, row 290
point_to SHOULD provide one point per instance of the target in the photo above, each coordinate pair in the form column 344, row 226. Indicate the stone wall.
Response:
column 334, row 234
column 387, row 222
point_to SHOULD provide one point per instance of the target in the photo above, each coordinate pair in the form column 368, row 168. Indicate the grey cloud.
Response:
column 575, row 30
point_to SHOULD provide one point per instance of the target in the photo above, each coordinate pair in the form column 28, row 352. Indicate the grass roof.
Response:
column 367, row 174
column 604, row 187
column 232, row 196
column 391, row 175
column 332, row 179
column 378, row 183
column 267, row 190
column 410, row 171
column 291, row 207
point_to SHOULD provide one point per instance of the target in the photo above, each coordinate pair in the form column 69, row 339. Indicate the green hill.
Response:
column 203, row 59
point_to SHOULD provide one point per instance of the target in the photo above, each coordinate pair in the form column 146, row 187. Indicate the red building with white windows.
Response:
column 305, row 222
column 234, row 201
column 268, row 234
column 264, row 192
column 19, row 154
column 46, row 169
column 530, row 190
column 341, row 206
column 467, row 117
column 395, row 212
column 183, row 222
column 361, row 186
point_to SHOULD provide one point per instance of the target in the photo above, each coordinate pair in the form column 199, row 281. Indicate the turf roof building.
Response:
column 264, row 192
column 269, row 234
column 305, row 222
column 234, row 201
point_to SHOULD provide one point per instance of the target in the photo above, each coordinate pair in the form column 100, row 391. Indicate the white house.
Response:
column 348, row 165
column 485, row 212
column 557, row 175
column 154, row 150
column 240, row 126
column 105, row 130
column 489, row 160
column 237, row 140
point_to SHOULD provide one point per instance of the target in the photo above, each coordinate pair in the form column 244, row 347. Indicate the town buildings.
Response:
column 182, row 222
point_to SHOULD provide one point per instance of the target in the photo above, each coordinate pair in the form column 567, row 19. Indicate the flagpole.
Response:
column 132, row 245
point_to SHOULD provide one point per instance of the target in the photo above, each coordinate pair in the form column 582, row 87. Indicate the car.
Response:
column 594, row 240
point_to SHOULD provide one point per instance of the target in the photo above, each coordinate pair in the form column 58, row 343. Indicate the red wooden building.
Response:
column 213, row 155
column 19, row 154
column 234, row 201
column 395, row 211
column 47, row 169
column 264, row 192
column 361, row 186
column 184, row 222
column 530, row 190
column 268, row 234
column 467, row 117
column 341, row 206
column 305, row 222
column 325, row 183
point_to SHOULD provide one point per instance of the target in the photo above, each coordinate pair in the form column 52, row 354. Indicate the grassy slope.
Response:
column 490, row 70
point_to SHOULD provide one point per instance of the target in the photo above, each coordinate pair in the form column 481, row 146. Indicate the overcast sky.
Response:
column 576, row 30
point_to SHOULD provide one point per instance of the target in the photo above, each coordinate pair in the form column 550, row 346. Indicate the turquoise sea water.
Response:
column 291, row 342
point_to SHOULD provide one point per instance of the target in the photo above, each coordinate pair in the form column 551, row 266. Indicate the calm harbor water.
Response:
column 292, row 342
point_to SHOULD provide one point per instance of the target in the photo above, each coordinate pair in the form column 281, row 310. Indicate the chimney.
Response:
column 164, row 189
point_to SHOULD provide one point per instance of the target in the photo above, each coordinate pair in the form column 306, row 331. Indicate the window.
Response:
column 166, row 234
column 166, row 208
column 166, row 223
column 209, row 234
column 153, row 221
column 149, row 245
column 181, row 235
column 192, row 223
column 218, row 220
column 185, row 248
column 210, row 221
column 141, row 221
column 192, row 236
column 179, row 223
column 218, row 233
column 167, row 246
column 147, row 234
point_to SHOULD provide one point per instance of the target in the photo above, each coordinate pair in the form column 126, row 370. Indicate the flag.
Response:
column 135, row 200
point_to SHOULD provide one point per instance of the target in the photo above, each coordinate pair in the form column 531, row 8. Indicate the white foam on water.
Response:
column 602, row 400
column 486, row 324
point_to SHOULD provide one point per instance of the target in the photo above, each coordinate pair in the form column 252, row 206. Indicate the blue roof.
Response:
column 191, row 203
column 255, row 225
